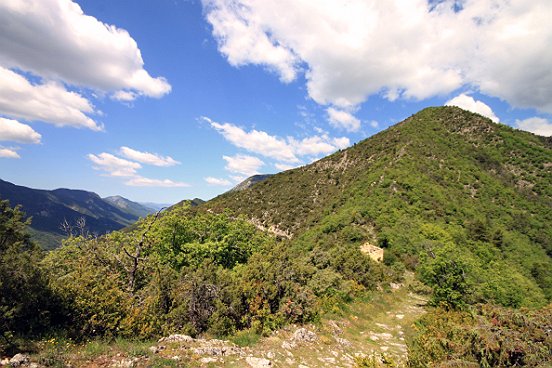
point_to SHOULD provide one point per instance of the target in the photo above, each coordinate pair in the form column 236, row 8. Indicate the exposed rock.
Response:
column 304, row 335
column 157, row 349
column 342, row 341
column 19, row 359
column 335, row 328
column 208, row 360
column 255, row 362
column 217, row 350
column 328, row 360
column 177, row 338
column 125, row 363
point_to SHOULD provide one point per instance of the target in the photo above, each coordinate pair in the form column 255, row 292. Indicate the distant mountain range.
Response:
column 50, row 208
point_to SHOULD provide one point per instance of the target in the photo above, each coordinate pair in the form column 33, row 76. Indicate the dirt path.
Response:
column 370, row 328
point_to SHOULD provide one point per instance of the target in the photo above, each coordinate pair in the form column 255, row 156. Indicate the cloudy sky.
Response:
column 171, row 99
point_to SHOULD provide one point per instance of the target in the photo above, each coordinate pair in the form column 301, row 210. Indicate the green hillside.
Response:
column 463, row 202
column 443, row 182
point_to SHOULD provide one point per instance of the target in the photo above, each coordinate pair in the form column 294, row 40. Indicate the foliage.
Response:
column 443, row 180
column 485, row 336
column 27, row 305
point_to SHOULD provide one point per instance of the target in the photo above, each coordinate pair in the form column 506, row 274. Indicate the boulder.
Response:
column 19, row 359
column 255, row 362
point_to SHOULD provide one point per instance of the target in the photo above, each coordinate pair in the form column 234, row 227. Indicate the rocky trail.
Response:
column 374, row 329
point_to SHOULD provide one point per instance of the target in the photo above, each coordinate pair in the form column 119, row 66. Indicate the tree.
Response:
column 26, row 303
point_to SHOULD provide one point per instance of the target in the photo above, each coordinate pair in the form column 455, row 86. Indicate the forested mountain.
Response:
column 462, row 203
column 51, row 208
column 444, row 181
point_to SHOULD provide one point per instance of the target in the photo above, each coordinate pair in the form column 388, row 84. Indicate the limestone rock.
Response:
column 19, row 359
column 304, row 335
column 255, row 362
column 177, row 338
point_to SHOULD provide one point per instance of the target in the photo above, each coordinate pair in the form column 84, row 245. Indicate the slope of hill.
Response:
column 443, row 182
column 50, row 208
column 128, row 206
column 249, row 182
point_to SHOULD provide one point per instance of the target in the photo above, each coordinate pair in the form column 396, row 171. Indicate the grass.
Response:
column 245, row 338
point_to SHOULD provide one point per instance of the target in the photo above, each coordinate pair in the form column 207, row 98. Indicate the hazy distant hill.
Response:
column 128, row 206
column 49, row 208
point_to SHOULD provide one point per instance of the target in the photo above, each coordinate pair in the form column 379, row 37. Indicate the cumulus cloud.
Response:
column 140, row 181
column 238, row 178
column 343, row 119
column 350, row 50
column 218, row 181
column 56, row 40
column 287, row 150
column 255, row 141
column 48, row 102
column 119, row 167
column 8, row 153
column 13, row 130
column 114, row 165
column 243, row 164
column 536, row 125
column 49, row 46
column 469, row 103
column 284, row 167
column 147, row 157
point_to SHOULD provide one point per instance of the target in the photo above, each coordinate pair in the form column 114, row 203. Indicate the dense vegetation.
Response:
column 463, row 202
column 190, row 272
column 486, row 337
column 447, row 193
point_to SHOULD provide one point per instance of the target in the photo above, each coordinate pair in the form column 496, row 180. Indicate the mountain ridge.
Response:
column 444, row 178
column 50, row 208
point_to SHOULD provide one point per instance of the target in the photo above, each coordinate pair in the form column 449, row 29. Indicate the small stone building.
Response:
column 372, row 251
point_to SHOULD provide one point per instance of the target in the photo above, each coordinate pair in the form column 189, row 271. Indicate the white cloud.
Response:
column 343, row 119
column 114, row 165
column 48, row 102
column 469, row 103
column 243, row 164
column 401, row 49
column 255, row 141
column 8, row 153
column 119, row 167
column 341, row 143
column 56, row 40
column 147, row 157
column 374, row 124
column 284, row 167
column 125, row 96
column 140, row 181
column 237, row 178
column 218, row 181
column 287, row 150
column 536, row 125
column 12, row 130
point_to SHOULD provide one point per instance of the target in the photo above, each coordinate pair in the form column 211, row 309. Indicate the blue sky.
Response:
column 166, row 100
